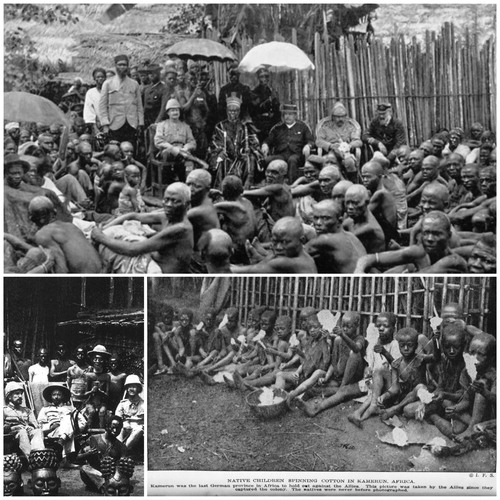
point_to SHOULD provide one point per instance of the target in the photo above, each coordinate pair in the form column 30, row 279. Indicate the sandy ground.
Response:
column 192, row 426
column 72, row 485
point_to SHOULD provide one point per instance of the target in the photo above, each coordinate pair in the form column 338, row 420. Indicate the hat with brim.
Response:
column 47, row 392
column 172, row 104
column 383, row 106
column 78, row 106
column 13, row 387
column 133, row 380
column 289, row 108
column 99, row 349
column 15, row 159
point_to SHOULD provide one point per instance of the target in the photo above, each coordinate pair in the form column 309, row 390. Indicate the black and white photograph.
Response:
column 250, row 138
column 74, row 408
column 321, row 374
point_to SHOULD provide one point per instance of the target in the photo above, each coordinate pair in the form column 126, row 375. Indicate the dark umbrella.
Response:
column 201, row 49
column 26, row 107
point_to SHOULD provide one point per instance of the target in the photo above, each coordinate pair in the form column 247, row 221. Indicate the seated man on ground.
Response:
column 288, row 254
column 333, row 250
column 382, row 204
column 172, row 246
column 238, row 217
column 72, row 251
column 360, row 221
column 432, row 254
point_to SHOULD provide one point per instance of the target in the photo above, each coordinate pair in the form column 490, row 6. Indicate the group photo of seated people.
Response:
column 324, row 361
column 158, row 174
column 70, row 409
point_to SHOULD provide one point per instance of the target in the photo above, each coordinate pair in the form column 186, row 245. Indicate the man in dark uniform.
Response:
column 170, row 84
column 290, row 140
column 265, row 105
column 385, row 133
column 235, row 89
column 152, row 95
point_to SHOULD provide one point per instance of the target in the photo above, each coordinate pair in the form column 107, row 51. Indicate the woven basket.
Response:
column 267, row 412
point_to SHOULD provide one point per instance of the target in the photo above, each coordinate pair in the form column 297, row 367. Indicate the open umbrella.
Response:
column 201, row 49
column 275, row 56
column 26, row 107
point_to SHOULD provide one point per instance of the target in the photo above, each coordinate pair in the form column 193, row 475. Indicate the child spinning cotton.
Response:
column 478, row 405
column 379, row 358
column 445, row 377
column 408, row 375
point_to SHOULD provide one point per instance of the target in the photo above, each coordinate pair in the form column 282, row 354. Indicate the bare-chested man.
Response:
column 239, row 217
column 71, row 250
column 361, row 221
column 279, row 195
column 428, row 173
column 382, row 204
column 216, row 248
column 202, row 213
column 172, row 246
column 288, row 254
column 333, row 250
column 432, row 254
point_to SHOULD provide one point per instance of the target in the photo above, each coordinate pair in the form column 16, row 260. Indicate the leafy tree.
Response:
column 22, row 68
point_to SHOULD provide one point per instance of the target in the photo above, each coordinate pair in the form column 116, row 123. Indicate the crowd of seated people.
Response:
column 161, row 175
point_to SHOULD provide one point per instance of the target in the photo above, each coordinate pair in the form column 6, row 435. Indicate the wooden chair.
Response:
column 157, row 168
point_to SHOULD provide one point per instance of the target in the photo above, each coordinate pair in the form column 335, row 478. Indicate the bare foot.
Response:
column 354, row 419
column 306, row 408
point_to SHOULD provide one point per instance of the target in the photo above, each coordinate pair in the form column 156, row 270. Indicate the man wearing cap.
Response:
column 153, row 95
column 385, row 133
column 120, row 106
column 174, row 137
column 290, row 140
column 131, row 410
column 19, row 421
column 340, row 135
column 234, row 88
column 265, row 109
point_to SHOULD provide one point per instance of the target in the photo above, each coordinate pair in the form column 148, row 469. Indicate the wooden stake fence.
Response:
column 414, row 300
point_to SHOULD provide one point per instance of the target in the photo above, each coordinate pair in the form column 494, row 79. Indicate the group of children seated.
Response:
column 447, row 379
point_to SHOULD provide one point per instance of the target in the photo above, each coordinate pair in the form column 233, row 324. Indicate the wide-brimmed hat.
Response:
column 47, row 392
column 15, row 159
column 132, row 380
column 172, row 103
column 99, row 349
column 12, row 387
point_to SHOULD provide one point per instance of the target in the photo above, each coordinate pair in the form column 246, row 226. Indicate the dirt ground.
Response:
column 192, row 426
column 72, row 485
